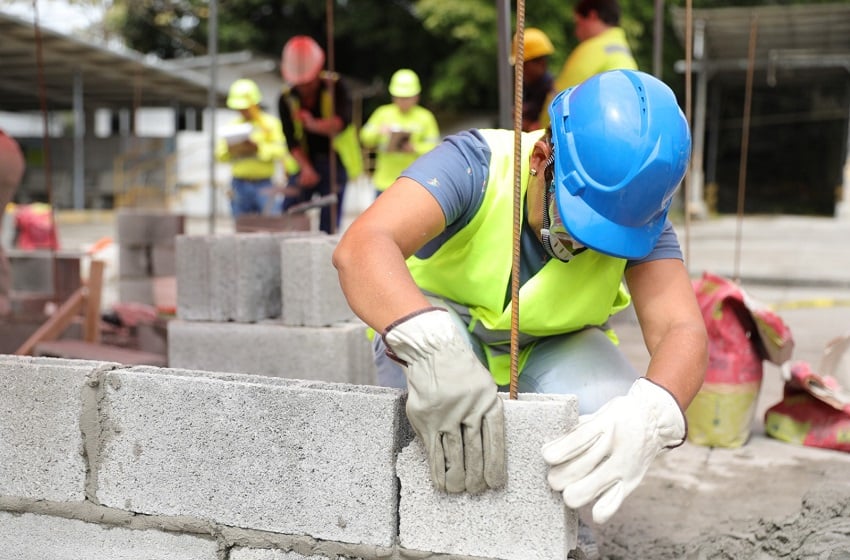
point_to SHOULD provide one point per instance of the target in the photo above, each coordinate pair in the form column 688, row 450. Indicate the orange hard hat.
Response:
column 535, row 44
column 301, row 60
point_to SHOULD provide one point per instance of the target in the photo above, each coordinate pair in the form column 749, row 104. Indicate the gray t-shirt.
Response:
column 456, row 174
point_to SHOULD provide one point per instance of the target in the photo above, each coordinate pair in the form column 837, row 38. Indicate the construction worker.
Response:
column 253, row 152
column 315, row 109
column 401, row 131
column 538, row 84
column 602, row 43
column 11, row 172
column 428, row 266
column 602, row 46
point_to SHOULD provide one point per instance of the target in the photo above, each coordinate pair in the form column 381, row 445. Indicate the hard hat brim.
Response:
column 238, row 105
column 601, row 234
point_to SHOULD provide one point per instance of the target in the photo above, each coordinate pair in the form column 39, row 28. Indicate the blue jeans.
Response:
column 253, row 196
column 584, row 363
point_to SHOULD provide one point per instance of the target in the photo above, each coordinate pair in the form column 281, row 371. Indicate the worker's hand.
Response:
column 308, row 177
column 452, row 402
column 608, row 453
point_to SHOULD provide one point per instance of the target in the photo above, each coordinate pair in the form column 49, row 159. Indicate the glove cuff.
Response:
column 417, row 333
column 670, row 422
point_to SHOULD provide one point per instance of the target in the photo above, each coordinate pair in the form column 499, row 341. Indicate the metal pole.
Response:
column 745, row 142
column 212, row 48
column 79, row 143
column 503, row 23
column 658, row 39
column 335, row 207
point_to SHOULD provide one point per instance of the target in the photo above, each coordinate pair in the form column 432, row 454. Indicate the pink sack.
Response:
column 741, row 334
column 815, row 407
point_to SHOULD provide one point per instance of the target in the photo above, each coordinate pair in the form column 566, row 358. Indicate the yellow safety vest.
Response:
column 473, row 267
column 345, row 143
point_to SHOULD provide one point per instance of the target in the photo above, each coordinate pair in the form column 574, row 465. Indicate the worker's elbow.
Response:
column 342, row 256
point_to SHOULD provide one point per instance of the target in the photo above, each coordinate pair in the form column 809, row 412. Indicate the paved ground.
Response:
column 767, row 499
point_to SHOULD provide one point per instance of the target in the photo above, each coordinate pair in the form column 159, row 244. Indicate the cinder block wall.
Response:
column 99, row 461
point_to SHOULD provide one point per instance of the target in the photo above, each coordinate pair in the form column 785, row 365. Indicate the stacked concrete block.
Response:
column 309, row 282
column 269, row 304
column 146, row 255
column 99, row 461
column 275, row 455
column 526, row 520
column 41, row 444
column 336, row 353
column 36, row 537
column 229, row 277
column 41, row 276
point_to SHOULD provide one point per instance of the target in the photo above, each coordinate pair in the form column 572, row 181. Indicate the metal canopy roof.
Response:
column 798, row 36
column 109, row 78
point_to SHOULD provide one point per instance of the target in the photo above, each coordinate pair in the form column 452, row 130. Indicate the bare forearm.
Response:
column 678, row 362
column 376, row 281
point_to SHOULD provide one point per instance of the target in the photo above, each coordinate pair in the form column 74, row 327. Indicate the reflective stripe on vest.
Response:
column 345, row 143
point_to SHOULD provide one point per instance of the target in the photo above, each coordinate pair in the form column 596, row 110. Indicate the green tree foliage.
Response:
column 451, row 44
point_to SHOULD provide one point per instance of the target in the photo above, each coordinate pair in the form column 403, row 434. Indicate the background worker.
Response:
column 315, row 110
column 253, row 152
column 428, row 265
column 11, row 172
column 401, row 131
column 538, row 84
column 602, row 43
column 602, row 46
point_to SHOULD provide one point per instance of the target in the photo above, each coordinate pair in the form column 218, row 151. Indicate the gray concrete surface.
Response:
column 759, row 501
column 767, row 499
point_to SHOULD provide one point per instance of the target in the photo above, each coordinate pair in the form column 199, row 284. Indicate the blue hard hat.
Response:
column 621, row 149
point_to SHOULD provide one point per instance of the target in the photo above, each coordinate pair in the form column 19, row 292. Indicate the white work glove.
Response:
column 452, row 402
column 607, row 454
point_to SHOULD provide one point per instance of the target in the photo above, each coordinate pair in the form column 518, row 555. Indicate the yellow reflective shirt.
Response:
column 607, row 51
column 424, row 132
column 271, row 148
column 473, row 267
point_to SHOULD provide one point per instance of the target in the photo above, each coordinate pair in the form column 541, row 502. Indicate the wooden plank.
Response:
column 56, row 324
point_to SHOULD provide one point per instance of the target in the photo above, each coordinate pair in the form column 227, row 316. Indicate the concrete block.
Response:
column 134, row 261
column 338, row 353
column 163, row 259
column 222, row 276
column 310, row 288
column 526, row 520
column 38, row 537
column 286, row 456
column 33, row 271
column 139, row 290
column 41, row 445
column 230, row 277
column 193, row 270
column 257, row 264
column 147, row 227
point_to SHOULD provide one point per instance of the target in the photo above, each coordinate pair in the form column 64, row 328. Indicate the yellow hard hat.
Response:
column 535, row 44
column 243, row 94
column 404, row 83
